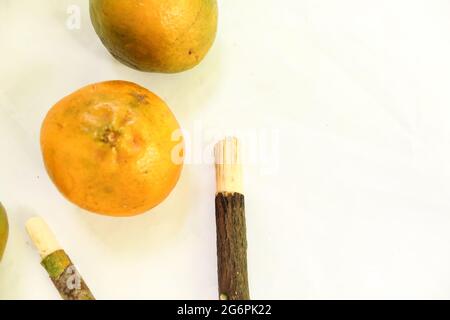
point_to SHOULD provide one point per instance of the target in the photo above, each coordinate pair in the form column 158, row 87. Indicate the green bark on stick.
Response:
column 65, row 277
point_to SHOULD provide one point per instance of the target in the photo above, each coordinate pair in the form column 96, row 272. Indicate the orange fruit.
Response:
column 153, row 35
column 113, row 148
column 4, row 228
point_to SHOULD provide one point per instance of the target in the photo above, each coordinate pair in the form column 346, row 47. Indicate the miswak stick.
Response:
column 57, row 263
column 230, row 222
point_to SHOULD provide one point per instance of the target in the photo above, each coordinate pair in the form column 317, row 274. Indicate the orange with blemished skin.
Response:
column 153, row 35
column 113, row 148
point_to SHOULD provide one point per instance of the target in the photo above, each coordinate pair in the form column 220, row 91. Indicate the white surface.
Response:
column 359, row 208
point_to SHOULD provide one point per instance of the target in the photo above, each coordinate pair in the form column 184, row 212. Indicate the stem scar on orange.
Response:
column 113, row 148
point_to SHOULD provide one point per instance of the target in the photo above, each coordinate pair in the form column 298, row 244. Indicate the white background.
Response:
column 357, row 94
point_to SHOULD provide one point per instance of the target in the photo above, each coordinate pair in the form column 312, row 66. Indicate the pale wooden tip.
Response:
column 42, row 237
column 228, row 166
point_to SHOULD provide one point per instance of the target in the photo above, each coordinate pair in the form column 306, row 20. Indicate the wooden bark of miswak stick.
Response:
column 57, row 263
column 230, row 222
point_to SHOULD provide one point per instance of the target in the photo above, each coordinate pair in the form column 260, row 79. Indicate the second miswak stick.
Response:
column 57, row 263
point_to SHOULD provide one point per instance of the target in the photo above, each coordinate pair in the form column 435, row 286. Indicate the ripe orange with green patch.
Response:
column 4, row 229
column 113, row 148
